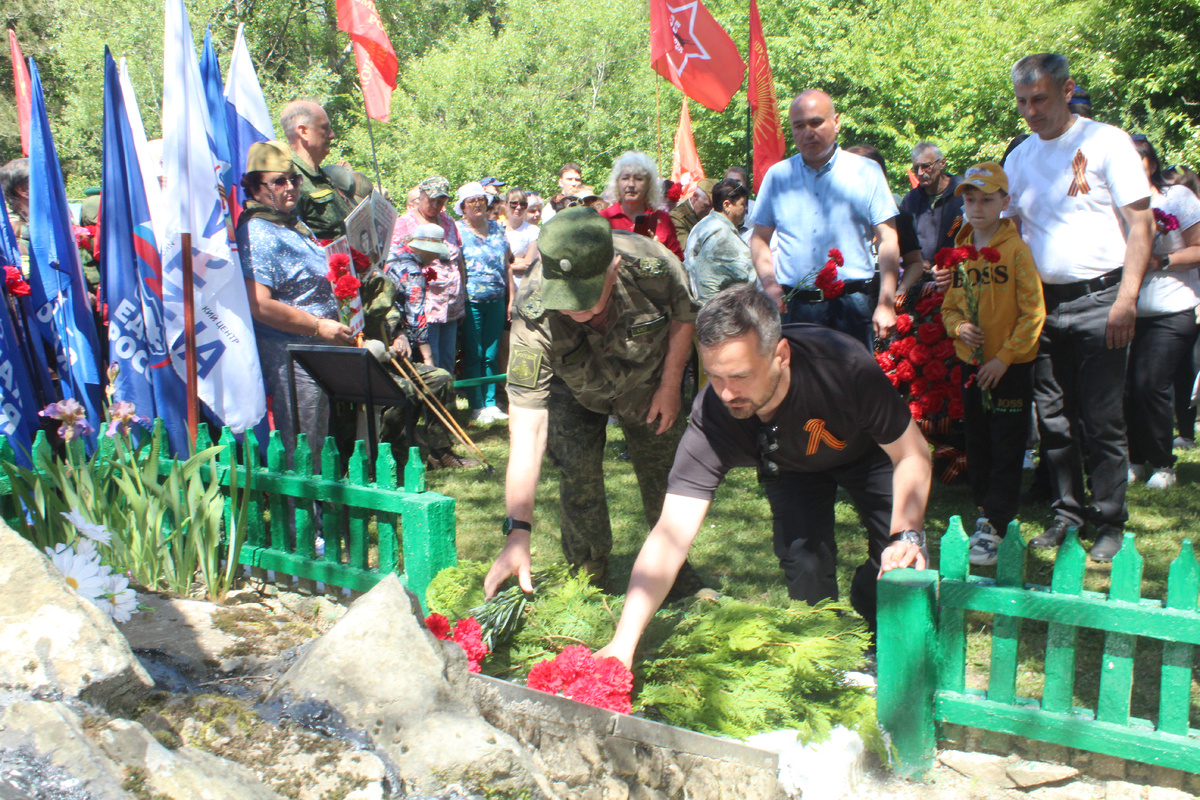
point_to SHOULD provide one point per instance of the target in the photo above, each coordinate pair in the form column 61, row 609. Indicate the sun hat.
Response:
column 429, row 237
column 466, row 192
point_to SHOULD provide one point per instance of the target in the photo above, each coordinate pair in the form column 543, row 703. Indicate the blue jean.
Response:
column 482, row 328
column 443, row 344
column 850, row 314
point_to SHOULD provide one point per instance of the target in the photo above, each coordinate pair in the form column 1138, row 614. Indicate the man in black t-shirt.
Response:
column 811, row 409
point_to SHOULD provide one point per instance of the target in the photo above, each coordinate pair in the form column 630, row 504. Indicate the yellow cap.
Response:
column 988, row 176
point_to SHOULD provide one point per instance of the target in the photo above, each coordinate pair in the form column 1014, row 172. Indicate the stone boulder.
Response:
column 52, row 640
column 121, row 760
column 389, row 677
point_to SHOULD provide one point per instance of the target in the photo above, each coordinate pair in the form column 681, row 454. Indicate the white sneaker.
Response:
column 1182, row 443
column 985, row 544
column 479, row 415
column 1137, row 472
column 496, row 414
column 1162, row 478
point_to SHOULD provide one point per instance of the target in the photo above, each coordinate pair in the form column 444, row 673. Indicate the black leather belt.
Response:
column 818, row 296
column 1057, row 293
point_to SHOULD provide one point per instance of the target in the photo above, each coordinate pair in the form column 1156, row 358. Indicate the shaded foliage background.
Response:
column 515, row 87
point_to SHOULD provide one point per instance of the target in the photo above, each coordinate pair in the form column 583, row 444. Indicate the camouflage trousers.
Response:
column 575, row 440
column 398, row 421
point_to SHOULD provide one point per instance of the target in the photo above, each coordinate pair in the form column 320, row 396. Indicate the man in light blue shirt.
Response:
column 826, row 199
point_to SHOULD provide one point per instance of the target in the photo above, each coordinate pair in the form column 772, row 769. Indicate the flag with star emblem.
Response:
column 769, row 144
column 691, row 50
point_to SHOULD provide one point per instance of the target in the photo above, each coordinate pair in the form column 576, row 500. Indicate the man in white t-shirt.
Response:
column 1081, row 196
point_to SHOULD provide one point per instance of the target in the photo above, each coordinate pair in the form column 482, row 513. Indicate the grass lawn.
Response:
column 733, row 550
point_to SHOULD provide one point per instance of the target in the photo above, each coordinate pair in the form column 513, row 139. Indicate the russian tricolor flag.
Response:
column 246, row 113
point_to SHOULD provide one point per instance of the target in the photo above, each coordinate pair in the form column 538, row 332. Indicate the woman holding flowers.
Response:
column 291, row 297
column 1166, row 324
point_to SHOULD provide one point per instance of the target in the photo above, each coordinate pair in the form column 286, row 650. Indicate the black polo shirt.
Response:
column 840, row 407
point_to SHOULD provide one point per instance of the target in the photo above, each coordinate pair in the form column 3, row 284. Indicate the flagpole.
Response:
column 189, row 338
column 658, row 123
column 749, row 143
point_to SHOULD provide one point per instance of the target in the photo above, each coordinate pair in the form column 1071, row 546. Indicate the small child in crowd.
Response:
column 997, row 347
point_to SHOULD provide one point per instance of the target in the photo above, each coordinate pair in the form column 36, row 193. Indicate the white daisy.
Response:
column 117, row 600
column 92, row 530
column 85, row 575
column 86, row 548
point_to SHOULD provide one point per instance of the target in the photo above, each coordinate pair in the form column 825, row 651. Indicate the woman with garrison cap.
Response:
column 291, row 298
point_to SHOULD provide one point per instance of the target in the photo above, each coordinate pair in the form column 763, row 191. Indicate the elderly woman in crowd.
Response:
column 637, row 192
column 1166, row 324
column 445, row 302
column 291, row 298
column 486, row 251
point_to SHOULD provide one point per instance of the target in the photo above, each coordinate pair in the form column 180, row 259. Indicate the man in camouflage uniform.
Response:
column 602, row 325
column 327, row 194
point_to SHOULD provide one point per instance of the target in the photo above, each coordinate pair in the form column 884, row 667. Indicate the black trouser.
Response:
column 1185, row 381
column 802, row 504
column 996, row 441
column 1078, row 385
column 1159, row 345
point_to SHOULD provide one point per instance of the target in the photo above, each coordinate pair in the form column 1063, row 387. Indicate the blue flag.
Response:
column 247, row 115
column 21, row 316
column 214, row 99
column 55, row 276
column 18, row 403
column 137, row 340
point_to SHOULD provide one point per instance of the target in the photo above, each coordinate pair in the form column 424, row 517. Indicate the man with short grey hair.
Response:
column 327, row 193
column 936, row 210
column 1081, row 197
column 810, row 408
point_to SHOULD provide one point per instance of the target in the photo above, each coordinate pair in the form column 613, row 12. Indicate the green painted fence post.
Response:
column 275, row 465
column 428, row 540
column 414, row 471
column 357, row 476
column 385, row 523
column 332, row 514
column 907, row 653
column 1183, row 584
column 1116, row 672
column 954, row 564
column 1006, row 631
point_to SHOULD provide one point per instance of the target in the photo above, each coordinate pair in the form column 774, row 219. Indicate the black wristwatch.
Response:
column 511, row 524
column 914, row 537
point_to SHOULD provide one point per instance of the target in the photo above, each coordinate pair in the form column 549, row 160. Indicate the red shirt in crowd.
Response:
column 655, row 225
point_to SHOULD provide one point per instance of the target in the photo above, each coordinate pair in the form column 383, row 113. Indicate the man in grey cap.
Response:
column 602, row 325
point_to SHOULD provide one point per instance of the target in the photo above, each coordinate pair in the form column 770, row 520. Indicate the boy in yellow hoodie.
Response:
column 997, row 350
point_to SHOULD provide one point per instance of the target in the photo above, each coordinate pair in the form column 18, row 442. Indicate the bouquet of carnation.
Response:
column 345, row 284
column 466, row 634
column 577, row 674
column 956, row 258
column 825, row 281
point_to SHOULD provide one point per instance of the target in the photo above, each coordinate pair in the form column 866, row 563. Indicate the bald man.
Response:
column 327, row 193
column 826, row 199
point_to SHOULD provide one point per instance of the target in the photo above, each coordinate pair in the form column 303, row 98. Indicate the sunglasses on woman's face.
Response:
column 285, row 180
column 516, row 204
column 476, row 201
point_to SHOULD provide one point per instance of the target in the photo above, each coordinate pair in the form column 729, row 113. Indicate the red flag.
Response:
column 685, row 166
column 769, row 144
column 691, row 50
column 373, row 52
column 21, row 81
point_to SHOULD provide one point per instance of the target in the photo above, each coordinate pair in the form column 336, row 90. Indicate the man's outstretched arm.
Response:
column 654, row 572
column 527, row 444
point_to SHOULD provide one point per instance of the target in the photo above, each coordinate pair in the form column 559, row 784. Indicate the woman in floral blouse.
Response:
column 486, row 252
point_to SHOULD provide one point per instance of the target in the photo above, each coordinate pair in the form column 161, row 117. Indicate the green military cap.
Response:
column 706, row 185
column 270, row 157
column 435, row 186
column 577, row 249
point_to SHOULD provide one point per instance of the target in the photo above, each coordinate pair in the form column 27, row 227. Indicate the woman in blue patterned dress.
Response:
column 485, row 250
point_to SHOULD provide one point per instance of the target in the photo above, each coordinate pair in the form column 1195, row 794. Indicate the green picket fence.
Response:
column 414, row 528
column 922, row 653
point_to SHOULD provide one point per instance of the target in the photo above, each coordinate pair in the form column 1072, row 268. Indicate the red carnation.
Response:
column 361, row 262
column 927, row 305
column 339, row 263
column 346, row 287
column 674, row 192
column 935, row 370
column 16, row 284
column 918, row 387
column 885, row 361
column 904, row 323
column 835, row 256
column 324, row 242
column 969, row 253
column 914, row 408
column 956, row 376
column 990, row 254
column 430, row 274
column 943, row 349
column 946, row 389
column 574, row 662
column 931, row 404
column 469, row 636
column 955, row 408
column 545, row 677
column 901, row 348
column 947, row 257
column 905, row 371
column 438, row 625
column 920, row 355
column 930, row 333
column 894, row 379
column 936, row 319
